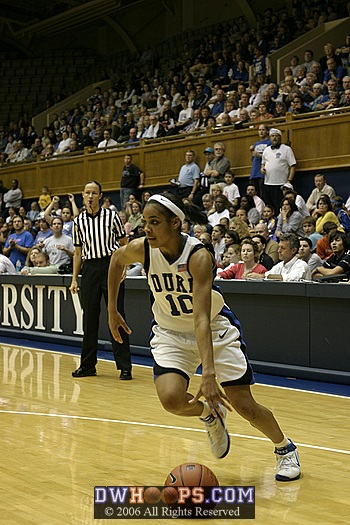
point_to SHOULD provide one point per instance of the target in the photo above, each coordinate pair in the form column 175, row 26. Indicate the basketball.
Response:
column 152, row 495
column 191, row 475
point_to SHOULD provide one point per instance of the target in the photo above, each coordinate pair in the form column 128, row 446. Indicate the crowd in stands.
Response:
column 300, row 239
column 223, row 81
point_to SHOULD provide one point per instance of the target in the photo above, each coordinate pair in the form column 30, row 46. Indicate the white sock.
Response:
column 283, row 443
column 206, row 412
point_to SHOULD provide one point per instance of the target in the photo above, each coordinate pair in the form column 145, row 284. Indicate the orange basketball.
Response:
column 191, row 475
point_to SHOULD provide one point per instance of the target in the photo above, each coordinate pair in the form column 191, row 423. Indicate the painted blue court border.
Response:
column 264, row 379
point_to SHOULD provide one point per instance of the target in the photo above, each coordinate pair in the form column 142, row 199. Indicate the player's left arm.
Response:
column 200, row 267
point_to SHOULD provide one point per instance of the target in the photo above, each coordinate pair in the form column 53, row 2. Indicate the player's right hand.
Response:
column 74, row 288
column 115, row 322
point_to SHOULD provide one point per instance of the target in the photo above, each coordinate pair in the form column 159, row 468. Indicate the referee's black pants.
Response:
column 93, row 287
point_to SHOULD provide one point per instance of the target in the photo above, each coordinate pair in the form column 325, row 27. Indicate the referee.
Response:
column 97, row 233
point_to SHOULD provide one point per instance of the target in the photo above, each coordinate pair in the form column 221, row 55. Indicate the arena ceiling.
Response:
column 22, row 22
column 25, row 23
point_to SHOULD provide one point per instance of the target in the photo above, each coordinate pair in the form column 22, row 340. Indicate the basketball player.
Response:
column 192, row 325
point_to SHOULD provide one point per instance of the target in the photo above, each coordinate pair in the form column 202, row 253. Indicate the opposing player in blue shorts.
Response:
column 192, row 326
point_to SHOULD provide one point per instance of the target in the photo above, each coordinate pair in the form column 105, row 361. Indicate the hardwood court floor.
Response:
column 60, row 437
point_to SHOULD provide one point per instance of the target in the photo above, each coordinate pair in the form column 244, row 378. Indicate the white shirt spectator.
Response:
column 277, row 162
column 214, row 218
column 231, row 192
column 259, row 204
column 185, row 114
column 294, row 270
column 63, row 145
column 21, row 155
column 107, row 144
column 316, row 194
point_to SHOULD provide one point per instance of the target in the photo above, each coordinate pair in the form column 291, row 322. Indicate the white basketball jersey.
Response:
column 171, row 287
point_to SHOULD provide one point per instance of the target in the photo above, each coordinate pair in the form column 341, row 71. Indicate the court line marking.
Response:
column 158, row 425
column 198, row 375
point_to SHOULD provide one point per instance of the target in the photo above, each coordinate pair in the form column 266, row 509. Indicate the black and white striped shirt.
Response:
column 98, row 235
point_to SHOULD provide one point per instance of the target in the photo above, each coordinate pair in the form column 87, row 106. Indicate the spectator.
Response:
column 44, row 233
column 59, row 246
column 107, row 141
column 249, row 264
column 221, row 205
column 11, row 214
column 329, row 53
column 324, row 213
column 240, row 227
column 344, row 51
column 268, row 218
column 278, row 166
column 289, row 220
column 107, row 203
column 259, row 203
column 345, row 99
column 323, row 248
column 67, row 213
column 231, row 191
column 155, row 129
column 230, row 257
column 334, row 72
column 247, row 203
column 45, row 198
column 290, row 268
column 64, row 144
column 41, row 266
column 124, row 217
column 339, row 261
column 184, row 119
column 309, row 60
column 256, row 151
column 263, row 113
column 219, row 103
column 203, row 187
column 188, row 179
column 219, row 166
column 201, row 97
column 207, row 202
column 85, row 140
column 289, row 193
column 271, row 247
column 132, row 178
column 218, row 241
column 342, row 213
column 136, row 215
column 18, row 243
column 309, row 227
column 321, row 188
column 22, row 152
column 264, row 259
column 12, row 197
column 305, row 253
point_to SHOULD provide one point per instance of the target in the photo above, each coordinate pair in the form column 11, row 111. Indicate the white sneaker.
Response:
column 288, row 463
column 217, row 434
